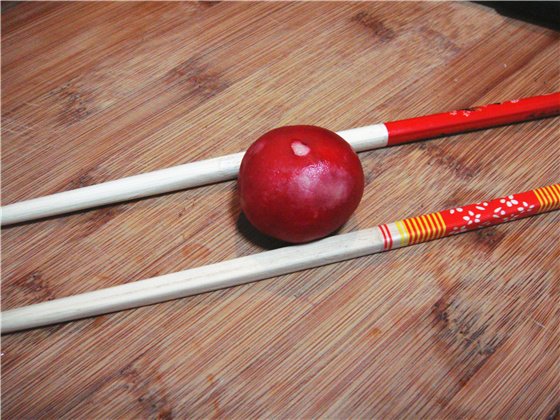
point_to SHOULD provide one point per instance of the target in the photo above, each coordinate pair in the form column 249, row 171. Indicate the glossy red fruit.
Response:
column 300, row 183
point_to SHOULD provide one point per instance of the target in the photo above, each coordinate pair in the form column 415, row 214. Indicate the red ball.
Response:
column 300, row 183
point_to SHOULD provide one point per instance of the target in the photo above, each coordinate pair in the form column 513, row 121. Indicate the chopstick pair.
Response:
column 294, row 258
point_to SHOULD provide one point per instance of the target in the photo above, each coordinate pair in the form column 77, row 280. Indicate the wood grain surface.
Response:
column 463, row 327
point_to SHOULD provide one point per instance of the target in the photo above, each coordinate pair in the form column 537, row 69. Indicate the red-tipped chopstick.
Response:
column 475, row 118
column 285, row 260
column 226, row 167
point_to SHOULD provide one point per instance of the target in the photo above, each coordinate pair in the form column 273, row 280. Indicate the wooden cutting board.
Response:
column 463, row 327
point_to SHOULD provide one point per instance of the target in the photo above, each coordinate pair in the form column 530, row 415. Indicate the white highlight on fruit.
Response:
column 325, row 187
column 299, row 148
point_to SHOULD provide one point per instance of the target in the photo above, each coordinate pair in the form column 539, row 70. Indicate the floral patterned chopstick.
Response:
column 284, row 260
column 461, row 219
